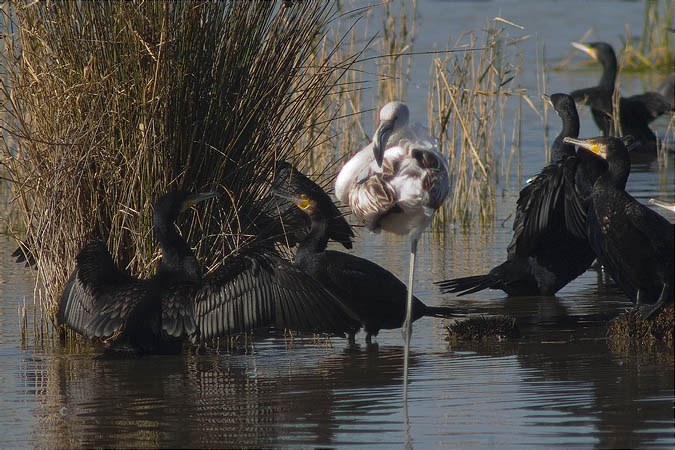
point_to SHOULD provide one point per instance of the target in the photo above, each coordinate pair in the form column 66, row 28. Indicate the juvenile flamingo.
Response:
column 396, row 184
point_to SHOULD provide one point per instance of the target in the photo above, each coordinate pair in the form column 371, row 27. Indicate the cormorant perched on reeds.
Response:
column 633, row 242
column 252, row 289
column 375, row 295
column 635, row 112
column 549, row 246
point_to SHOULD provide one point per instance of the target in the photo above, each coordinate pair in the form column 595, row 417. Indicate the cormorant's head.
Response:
column 598, row 145
column 606, row 146
column 562, row 103
column 289, row 181
column 306, row 203
column 601, row 52
column 393, row 116
column 296, row 188
column 170, row 205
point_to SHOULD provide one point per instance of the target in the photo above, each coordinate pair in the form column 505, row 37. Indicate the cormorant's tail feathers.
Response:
column 469, row 285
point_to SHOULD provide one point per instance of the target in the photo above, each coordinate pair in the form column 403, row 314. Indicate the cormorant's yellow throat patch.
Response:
column 599, row 149
column 304, row 202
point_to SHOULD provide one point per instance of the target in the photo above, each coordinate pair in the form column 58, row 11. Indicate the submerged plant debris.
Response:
column 634, row 330
column 483, row 329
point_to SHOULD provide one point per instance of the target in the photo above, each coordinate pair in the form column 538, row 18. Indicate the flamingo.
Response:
column 396, row 183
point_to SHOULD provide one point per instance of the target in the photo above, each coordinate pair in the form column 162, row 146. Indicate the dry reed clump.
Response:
column 347, row 133
column 655, row 49
column 335, row 124
column 467, row 101
column 396, row 45
column 105, row 105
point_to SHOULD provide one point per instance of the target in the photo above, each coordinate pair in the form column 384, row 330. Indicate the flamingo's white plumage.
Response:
column 396, row 184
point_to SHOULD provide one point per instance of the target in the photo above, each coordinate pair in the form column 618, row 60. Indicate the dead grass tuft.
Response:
column 483, row 329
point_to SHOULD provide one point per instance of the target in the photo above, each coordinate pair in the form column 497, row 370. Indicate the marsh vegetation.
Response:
column 106, row 105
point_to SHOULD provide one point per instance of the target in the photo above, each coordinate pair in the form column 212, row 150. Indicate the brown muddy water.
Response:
column 561, row 385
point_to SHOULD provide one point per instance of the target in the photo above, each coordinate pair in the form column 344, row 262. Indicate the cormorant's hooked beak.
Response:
column 380, row 139
column 597, row 147
column 590, row 51
column 301, row 201
column 592, row 145
column 290, row 198
column 547, row 98
column 200, row 197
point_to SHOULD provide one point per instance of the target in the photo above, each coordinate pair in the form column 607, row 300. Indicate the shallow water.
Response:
column 561, row 385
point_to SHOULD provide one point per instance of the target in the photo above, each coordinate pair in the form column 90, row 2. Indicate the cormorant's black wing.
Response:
column 263, row 290
column 654, row 229
column 537, row 204
column 23, row 254
column 98, row 297
column 178, row 309
column 576, row 210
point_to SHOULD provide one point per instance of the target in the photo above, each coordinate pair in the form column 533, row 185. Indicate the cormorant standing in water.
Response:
column 138, row 315
column 633, row 242
column 549, row 246
column 375, row 295
column 250, row 290
column 635, row 112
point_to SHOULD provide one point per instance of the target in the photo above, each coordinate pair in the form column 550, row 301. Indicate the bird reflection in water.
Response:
column 269, row 399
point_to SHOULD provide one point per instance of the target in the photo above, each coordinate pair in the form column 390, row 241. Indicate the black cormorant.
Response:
column 633, row 242
column 375, row 295
column 269, row 220
column 549, row 246
column 296, row 223
column 140, row 315
column 252, row 289
column 635, row 112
